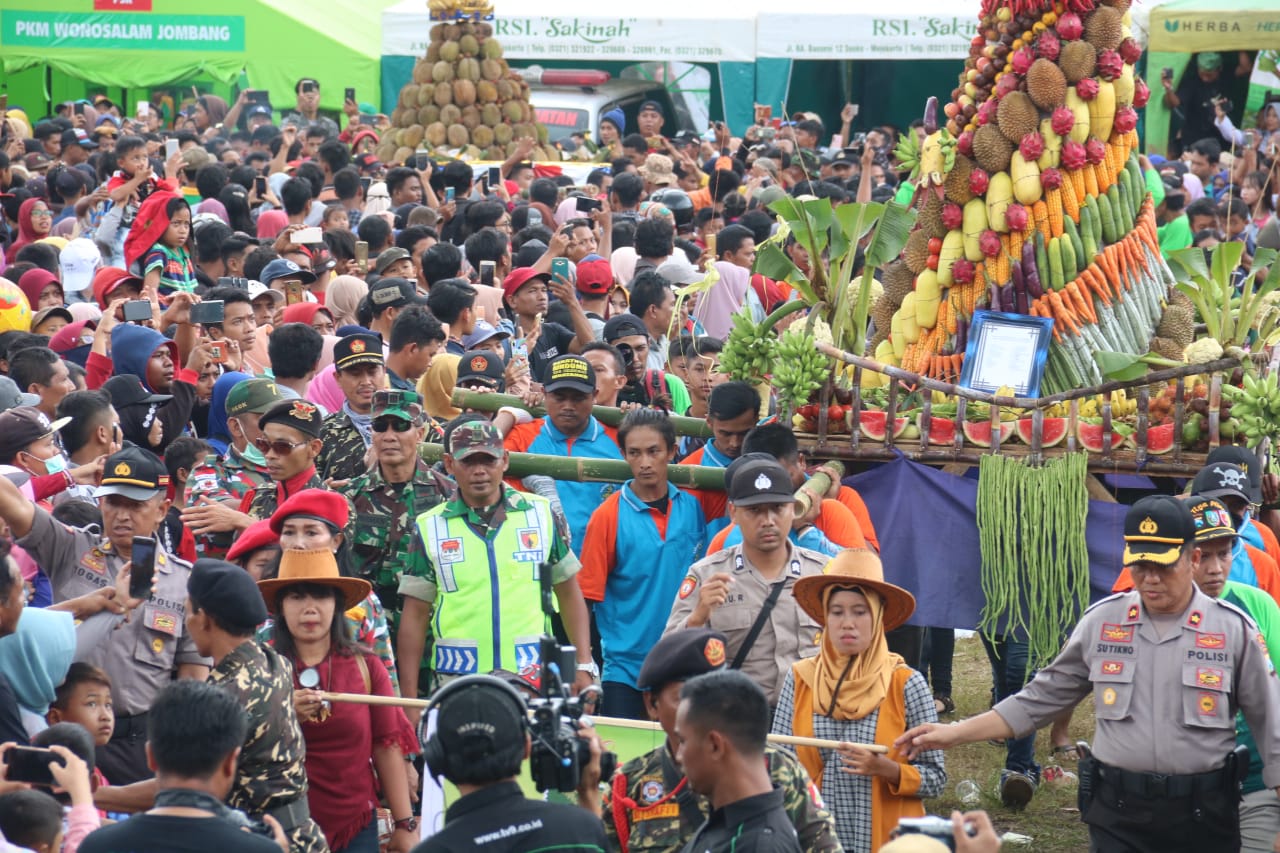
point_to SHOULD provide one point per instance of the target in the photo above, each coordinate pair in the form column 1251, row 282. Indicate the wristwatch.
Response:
column 408, row 823
column 590, row 668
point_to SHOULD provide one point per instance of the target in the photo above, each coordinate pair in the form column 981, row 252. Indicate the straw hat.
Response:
column 316, row 567
column 855, row 567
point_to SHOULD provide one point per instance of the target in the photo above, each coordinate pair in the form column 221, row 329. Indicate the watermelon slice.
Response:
column 1160, row 439
column 1052, row 431
column 979, row 432
column 941, row 430
column 1090, row 437
column 873, row 423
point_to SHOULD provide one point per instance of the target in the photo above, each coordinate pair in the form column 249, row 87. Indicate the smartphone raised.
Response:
column 258, row 96
column 448, row 194
column 260, row 185
column 137, row 311
column 588, row 205
column 218, row 353
column 31, row 765
column 142, row 567
column 495, row 175
column 362, row 255
column 170, row 148
column 711, row 245
column 350, row 94
column 560, row 267
column 487, row 269
column 210, row 311
column 312, row 234
column 293, row 292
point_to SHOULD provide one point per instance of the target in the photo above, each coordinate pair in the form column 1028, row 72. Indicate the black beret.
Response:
column 227, row 592
column 302, row 415
column 681, row 655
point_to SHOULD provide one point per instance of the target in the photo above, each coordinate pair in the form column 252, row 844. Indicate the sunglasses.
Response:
column 279, row 447
column 397, row 424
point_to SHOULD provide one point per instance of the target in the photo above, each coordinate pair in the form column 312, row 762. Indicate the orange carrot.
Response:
column 1110, row 274
column 1093, row 277
column 1082, row 304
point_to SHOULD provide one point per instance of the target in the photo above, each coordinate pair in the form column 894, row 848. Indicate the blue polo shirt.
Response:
column 579, row 500
column 634, row 559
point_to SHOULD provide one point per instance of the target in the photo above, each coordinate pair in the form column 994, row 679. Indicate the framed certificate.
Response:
column 1006, row 351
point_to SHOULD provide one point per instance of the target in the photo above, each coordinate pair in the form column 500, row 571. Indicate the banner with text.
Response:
column 862, row 35
column 121, row 31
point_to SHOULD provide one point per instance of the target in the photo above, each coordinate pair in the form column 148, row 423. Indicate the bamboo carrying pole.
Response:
column 606, row 415
column 591, row 470
column 421, row 704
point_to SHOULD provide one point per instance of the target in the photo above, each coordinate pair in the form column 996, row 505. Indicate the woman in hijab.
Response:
column 858, row 692
column 219, row 434
column 35, row 660
column 209, row 111
column 35, row 221
column 436, row 387
column 343, row 297
column 716, row 306
column 313, row 314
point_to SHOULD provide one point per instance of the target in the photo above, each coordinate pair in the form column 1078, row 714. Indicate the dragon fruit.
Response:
column 989, row 241
column 962, row 271
column 1095, row 150
column 1016, row 217
column 964, row 143
column 1126, row 120
column 1110, row 65
column 1073, row 154
column 952, row 216
column 1141, row 93
column 987, row 112
column 978, row 181
column 1069, row 26
column 1130, row 51
column 1031, row 146
column 1062, row 121
column 1007, row 83
column 1051, row 179
column 1087, row 89
column 1021, row 60
column 1049, row 45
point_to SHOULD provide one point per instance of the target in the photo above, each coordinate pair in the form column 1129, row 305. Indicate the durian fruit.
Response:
column 1167, row 348
column 1177, row 297
column 482, row 136
column 437, row 134
column 470, row 117
column 897, row 279
column 1017, row 116
column 449, row 51
column 916, row 252
column 956, row 183
column 457, row 135
column 930, row 218
column 450, row 114
column 882, row 314
column 469, row 45
column 1177, row 325
column 443, row 94
column 1046, row 84
column 990, row 148
column 442, row 72
column 464, row 92
column 469, row 69
column 491, row 69
column 1103, row 28
column 1078, row 60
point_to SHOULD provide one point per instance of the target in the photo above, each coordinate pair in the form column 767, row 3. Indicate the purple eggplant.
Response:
column 1008, row 298
column 930, row 115
column 1030, row 274
column 962, row 334
column 996, row 304
column 1024, row 306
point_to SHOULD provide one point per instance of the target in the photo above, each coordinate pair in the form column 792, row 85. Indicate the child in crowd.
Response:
column 335, row 218
column 55, row 820
column 84, row 698
column 158, row 247
column 31, row 819
column 180, row 457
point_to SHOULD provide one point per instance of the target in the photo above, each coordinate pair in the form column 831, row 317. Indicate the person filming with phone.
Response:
column 143, row 647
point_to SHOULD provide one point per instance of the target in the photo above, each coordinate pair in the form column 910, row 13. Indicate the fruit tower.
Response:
column 1031, row 201
column 463, row 99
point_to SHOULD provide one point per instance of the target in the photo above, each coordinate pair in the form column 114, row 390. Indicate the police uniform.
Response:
column 648, row 805
column 1163, row 775
column 345, row 443
column 270, row 775
column 482, row 574
column 140, row 650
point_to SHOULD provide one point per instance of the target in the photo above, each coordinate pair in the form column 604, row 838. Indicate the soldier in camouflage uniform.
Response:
column 224, row 606
column 391, row 494
column 226, row 479
column 290, row 441
column 649, row 805
column 347, row 434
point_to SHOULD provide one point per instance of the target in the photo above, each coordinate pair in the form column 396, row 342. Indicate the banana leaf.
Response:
column 772, row 262
column 892, row 225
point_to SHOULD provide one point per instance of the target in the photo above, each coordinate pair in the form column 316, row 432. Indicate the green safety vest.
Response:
column 488, row 608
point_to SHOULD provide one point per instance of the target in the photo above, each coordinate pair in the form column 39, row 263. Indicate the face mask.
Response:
column 254, row 456
column 55, row 464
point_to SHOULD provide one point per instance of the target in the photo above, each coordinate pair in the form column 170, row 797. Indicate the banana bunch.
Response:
column 799, row 368
column 1255, row 407
column 1121, row 405
column 748, row 355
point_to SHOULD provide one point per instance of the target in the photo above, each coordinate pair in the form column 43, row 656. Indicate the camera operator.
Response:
column 480, row 742
column 194, row 734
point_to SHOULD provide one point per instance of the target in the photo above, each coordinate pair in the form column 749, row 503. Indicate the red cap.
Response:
column 107, row 279
column 255, row 536
column 321, row 504
column 519, row 277
column 595, row 276
column 72, row 335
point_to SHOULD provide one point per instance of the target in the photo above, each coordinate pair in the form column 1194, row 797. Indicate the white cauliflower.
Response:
column 1202, row 351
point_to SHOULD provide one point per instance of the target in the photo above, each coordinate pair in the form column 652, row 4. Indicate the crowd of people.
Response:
column 234, row 348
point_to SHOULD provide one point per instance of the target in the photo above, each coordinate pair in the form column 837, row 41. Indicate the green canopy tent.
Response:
column 271, row 42
column 1180, row 28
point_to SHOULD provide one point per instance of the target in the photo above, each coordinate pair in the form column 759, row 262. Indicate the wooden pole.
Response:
column 606, row 415
column 591, row 470
column 421, row 704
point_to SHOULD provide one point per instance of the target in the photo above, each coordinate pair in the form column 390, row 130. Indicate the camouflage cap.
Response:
column 252, row 395
column 476, row 437
column 393, row 403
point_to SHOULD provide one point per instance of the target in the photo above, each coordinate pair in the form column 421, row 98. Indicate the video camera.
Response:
column 932, row 826
column 558, row 754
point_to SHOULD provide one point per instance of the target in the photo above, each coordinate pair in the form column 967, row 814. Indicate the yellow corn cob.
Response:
column 1015, row 244
column 1053, row 202
column 1077, row 183
column 1041, row 216
column 1090, row 180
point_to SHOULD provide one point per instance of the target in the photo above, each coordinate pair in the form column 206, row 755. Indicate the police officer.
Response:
column 476, row 564
column 745, row 590
column 1168, row 667
column 144, row 647
column 649, row 805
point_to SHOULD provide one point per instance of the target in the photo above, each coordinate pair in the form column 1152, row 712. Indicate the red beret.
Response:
column 321, row 504
column 256, row 536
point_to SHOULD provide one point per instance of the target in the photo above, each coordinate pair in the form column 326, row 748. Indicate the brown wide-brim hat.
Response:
column 855, row 567
column 315, row 567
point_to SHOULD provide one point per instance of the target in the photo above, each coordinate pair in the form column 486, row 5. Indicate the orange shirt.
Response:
column 834, row 520
column 851, row 499
column 1269, row 542
column 1266, row 569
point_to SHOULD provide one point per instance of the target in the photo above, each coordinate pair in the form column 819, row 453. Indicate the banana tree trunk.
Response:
column 590, row 470
column 606, row 415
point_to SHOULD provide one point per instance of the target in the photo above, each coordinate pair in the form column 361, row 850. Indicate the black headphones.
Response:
column 433, row 751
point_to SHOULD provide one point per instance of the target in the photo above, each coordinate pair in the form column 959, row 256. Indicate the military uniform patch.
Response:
column 688, row 586
column 651, row 791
